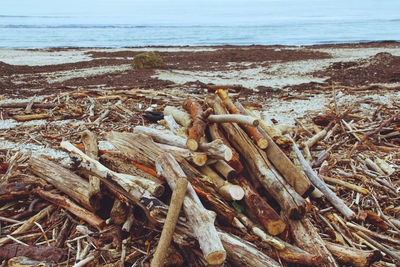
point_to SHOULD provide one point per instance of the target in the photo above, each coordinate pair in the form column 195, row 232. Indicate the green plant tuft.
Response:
column 148, row 60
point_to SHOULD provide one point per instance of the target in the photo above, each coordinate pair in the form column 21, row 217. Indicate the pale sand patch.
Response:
column 61, row 76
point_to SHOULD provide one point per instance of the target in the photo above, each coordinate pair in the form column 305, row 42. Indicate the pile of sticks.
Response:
column 249, row 195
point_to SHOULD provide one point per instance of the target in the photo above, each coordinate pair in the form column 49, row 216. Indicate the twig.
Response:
column 379, row 246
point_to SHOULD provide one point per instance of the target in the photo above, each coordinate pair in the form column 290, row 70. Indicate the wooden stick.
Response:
column 380, row 246
column 251, row 131
column 119, row 212
column 200, row 219
column 330, row 195
column 170, row 222
column 266, row 215
column 347, row 184
column 198, row 127
column 29, row 223
column 289, row 200
column 182, row 117
column 226, row 189
column 90, row 142
column 171, row 124
column 225, row 170
column 75, row 209
column 352, row 256
column 283, row 164
column 237, row 118
column 39, row 253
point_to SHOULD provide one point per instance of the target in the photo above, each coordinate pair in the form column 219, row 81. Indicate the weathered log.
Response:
column 177, row 197
column 216, row 149
column 250, row 130
column 63, row 179
column 200, row 219
column 199, row 125
column 283, row 164
column 330, row 195
column 225, row 169
column 117, row 164
column 197, row 158
column 34, row 105
column 353, row 256
column 75, row 209
column 266, row 215
column 171, row 124
column 215, row 134
column 47, row 254
column 155, row 210
column 289, row 200
column 244, row 253
column 63, row 234
column 237, row 118
column 29, row 223
column 125, row 180
column 90, row 142
column 306, row 237
column 226, row 189
column 182, row 117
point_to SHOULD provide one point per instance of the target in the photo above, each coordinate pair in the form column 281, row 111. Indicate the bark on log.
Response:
column 63, row 179
column 244, row 253
column 75, row 209
column 250, row 130
column 226, row 189
column 215, row 134
column 200, row 219
column 266, row 215
column 237, row 118
column 289, row 200
column 337, row 202
column 199, row 125
column 119, row 212
column 90, row 142
column 47, row 254
column 182, row 117
column 13, row 191
column 306, row 237
column 352, row 256
column 283, row 164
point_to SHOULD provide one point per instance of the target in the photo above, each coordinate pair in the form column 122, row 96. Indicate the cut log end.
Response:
column 216, row 257
column 192, row 144
column 228, row 154
column 231, row 192
column 262, row 143
column 276, row 228
column 200, row 159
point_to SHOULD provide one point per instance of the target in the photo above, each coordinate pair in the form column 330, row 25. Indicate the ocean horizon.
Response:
column 321, row 23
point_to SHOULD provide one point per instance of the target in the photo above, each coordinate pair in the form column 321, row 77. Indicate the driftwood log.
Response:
column 199, row 125
column 90, row 142
column 352, row 256
column 182, row 117
column 200, row 219
column 283, row 164
column 289, row 200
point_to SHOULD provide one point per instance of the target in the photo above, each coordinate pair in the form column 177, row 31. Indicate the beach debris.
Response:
column 248, row 189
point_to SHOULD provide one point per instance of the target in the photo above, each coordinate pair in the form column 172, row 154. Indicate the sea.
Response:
column 123, row 23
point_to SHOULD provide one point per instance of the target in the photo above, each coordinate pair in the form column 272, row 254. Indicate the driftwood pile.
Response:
column 252, row 194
